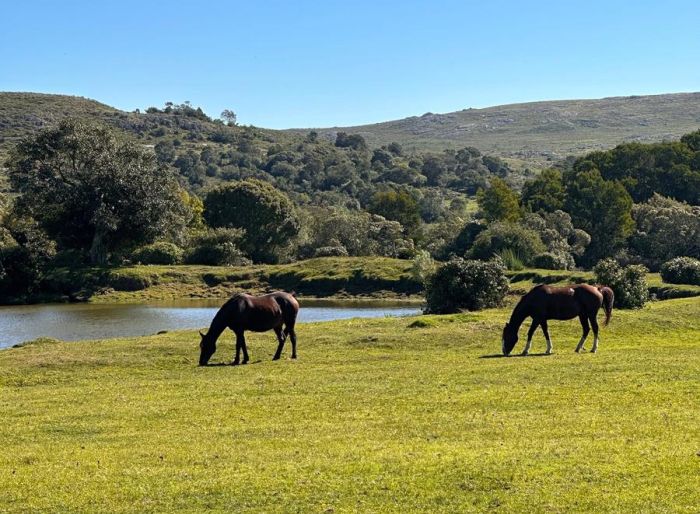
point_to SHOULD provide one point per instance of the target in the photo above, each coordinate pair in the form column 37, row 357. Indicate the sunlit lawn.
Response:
column 375, row 416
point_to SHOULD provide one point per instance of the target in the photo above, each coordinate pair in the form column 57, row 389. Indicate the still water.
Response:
column 72, row 322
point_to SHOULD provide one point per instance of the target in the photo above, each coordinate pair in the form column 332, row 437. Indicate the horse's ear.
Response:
column 506, row 325
column 201, row 335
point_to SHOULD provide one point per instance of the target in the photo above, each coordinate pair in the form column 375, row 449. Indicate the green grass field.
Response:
column 327, row 277
column 387, row 415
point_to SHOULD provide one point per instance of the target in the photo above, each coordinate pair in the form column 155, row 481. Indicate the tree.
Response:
column 397, row 206
column 499, row 202
column 602, row 208
column 544, row 193
column 267, row 215
column 93, row 191
column 354, row 141
column 665, row 229
column 229, row 117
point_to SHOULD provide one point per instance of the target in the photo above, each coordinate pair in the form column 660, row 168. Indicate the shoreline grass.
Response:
column 376, row 415
column 339, row 278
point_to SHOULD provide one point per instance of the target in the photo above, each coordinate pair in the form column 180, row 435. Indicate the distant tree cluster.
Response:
column 189, row 190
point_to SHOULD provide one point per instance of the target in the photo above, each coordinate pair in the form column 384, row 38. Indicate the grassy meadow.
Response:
column 383, row 415
column 325, row 277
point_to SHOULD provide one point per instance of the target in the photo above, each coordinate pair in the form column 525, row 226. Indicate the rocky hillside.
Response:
column 542, row 131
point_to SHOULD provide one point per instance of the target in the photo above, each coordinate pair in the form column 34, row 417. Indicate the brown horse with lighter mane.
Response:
column 275, row 311
column 544, row 302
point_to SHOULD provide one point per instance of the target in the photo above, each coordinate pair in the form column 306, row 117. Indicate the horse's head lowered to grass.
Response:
column 207, row 347
column 509, row 339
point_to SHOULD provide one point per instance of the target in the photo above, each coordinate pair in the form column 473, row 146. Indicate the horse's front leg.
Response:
column 245, row 349
column 550, row 348
column 237, row 359
column 530, row 333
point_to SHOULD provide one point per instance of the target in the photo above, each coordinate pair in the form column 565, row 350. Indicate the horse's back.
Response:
column 563, row 302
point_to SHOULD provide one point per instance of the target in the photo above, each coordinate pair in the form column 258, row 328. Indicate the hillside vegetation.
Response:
column 539, row 132
column 384, row 415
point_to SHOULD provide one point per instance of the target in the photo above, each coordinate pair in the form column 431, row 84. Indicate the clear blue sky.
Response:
column 320, row 63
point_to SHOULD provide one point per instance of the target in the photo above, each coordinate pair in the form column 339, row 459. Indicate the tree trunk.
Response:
column 98, row 250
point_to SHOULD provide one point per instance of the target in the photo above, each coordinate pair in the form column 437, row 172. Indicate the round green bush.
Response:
column 550, row 260
column 158, row 253
column 465, row 284
column 681, row 270
column 218, row 247
column 500, row 236
column 629, row 283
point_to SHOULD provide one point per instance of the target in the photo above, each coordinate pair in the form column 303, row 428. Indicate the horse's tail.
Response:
column 608, row 299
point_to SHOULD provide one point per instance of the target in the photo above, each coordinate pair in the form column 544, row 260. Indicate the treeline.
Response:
column 85, row 194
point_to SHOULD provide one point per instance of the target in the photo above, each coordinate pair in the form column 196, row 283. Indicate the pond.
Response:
column 73, row 322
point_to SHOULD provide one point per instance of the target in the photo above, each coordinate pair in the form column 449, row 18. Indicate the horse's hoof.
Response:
column 235, row 363
column 524, row 354
column 276, row 358
column 594, row 351
column 549, row 353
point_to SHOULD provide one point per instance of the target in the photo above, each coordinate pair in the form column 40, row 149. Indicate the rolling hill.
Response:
column 541, row 131
column 532, row 133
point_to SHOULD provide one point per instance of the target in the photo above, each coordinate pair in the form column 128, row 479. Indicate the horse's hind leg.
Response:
column 594, row 325
column 530, row 333
column 280, row 339
column 586, row 329
column 289, row 329
column 550, row 348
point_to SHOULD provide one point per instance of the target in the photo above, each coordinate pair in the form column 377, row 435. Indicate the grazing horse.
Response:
column 257, row 313
column 544, row 302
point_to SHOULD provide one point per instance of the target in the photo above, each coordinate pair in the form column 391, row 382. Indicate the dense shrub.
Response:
column 665, row 229
column 549, row 260
column 629, row 283
column 524, row 242
column 331, row 251
column 25, row 254
column 158, row 253
column 466, row 284
column 423, row 267
column 218, row 247
column 681, row 270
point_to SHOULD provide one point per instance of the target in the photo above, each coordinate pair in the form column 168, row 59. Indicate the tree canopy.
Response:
column 267, row 215
column 91, row 189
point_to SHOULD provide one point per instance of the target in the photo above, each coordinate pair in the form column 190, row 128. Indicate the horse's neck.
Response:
column 218, row 325
column 519, row 314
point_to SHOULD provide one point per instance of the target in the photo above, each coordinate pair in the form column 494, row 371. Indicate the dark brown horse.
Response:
column 543, row 303
column 257, row 313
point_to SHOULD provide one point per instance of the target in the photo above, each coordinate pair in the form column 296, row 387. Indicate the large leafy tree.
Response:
column 397, row 206
column 545, row 192
column 499, row 202
column 92, row 190
column 267, row 215
column 602, row 208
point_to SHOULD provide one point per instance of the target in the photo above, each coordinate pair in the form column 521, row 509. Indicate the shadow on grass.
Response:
column 501, row 356
column 228, row 364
